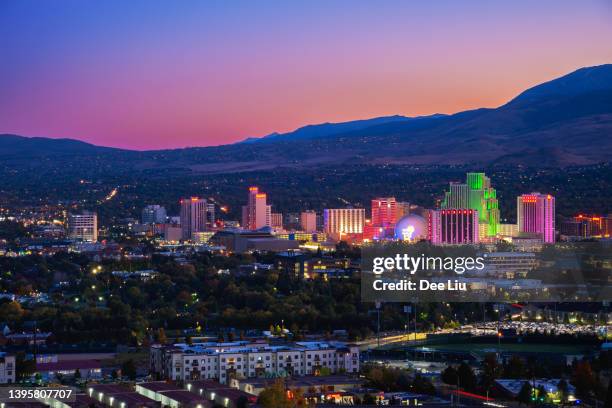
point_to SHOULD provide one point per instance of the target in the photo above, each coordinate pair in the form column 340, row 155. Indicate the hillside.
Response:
column 562, row 122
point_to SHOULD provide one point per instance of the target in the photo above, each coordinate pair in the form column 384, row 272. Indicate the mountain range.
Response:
column 567, row 121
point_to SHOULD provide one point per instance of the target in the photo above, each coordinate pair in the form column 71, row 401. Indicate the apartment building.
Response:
column 7, row 368
column 225, row 361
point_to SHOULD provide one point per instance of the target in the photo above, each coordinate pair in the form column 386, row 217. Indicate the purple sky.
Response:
column 158, row 74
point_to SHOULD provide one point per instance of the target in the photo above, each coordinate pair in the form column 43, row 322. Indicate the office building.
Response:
column 453, row 226
column 536, row 214
column 210, row 216
column 308, row 221
column 276, row 220
column 475, row 194
column 83, row 227
column 226, row 361
column 343, row 221
column 193, row 216
column 384, row 218
column 257, row 213
column 153, row 214
column 509, row 265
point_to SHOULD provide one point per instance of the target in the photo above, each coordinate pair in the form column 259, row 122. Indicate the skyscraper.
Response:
column 453, row 226
column 193, row 216
column 308, row 221
column 257, row 213
column 340, row 221
column 384, row 212
column 475, row 194
column 83, row 226
column 153, row 214
column 536, row 214
column 210, row 215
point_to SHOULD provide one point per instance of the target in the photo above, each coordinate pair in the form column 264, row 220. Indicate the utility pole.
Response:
column 378, row 304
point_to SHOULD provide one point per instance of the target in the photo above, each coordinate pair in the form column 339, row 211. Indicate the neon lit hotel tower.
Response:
column 536, row 214
column 476, row 194
column 257, row 213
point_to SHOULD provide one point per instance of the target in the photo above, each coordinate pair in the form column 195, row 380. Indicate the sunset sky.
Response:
column 159, row 74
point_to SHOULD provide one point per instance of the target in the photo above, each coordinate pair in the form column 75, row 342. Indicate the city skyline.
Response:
column 224, row 73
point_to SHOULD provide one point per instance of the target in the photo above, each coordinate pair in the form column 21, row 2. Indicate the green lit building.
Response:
column 476, row 194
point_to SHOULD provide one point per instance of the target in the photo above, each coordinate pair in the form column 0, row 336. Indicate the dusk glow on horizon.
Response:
column 163, row 74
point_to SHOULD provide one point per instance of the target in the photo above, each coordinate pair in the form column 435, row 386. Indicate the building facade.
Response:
column 536, row 214
column 7, row 368
column 476, row 194
column 225, row 361
column 308, row 221
column 83, row 227
column 341, row 221
column 453, row 226
column 276, row 221
column 193, row 216
column 153, row 214
column 257, row 213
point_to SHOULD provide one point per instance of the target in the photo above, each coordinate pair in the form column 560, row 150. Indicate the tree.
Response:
column 525, row 394
column 161, row 336
column 491, row 370
column 583, row 378
column 128, row 369
column 563, row 389
column 449, row 375
column 368, row 399
column 277, row 396
column 423, row 385
column 515, row 368
column 542, row 395
column 608, row 403
column 24, row 368
column 11, row 312
column 467, row 378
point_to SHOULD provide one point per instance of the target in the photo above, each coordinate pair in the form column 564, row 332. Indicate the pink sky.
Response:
column 138, row 75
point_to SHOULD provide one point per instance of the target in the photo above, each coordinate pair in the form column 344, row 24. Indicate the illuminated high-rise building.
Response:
column 257, row 213
column 83, row 227
column 276, row 221
column 340, row 221
column 475, row 194
column 536, row 214
column 384, row 212
column 193, row 216
column 154, row 214
column 453, row 226
column 210, row 215
column 308, row 221
column 384, row 217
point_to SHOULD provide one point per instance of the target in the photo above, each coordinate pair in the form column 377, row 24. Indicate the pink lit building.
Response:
column 453, row 226
column 536, row 214
column 384, row 217
column 193, row 216
column 257, row 213
column 308, row 221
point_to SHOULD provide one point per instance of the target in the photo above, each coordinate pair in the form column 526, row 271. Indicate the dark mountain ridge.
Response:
column 566, row 121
